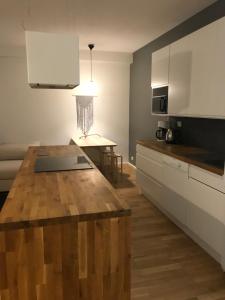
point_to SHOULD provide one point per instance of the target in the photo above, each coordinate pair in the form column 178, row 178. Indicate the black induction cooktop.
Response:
column 61, row 163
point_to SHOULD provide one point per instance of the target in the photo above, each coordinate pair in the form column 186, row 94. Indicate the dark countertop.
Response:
column 199, row 157
column 36, row 199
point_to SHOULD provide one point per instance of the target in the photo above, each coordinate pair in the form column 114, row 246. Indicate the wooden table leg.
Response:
column 101, row 158
column 112, row 162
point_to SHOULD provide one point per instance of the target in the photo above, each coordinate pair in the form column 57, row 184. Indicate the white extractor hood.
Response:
column 52, row 60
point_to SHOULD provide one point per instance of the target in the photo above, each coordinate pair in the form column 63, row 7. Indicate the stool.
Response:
column 105, row 160
column 116, row 158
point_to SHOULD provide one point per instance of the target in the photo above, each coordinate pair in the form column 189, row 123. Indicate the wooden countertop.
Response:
column 93, row 141
column 188, row 154
column 52, row 197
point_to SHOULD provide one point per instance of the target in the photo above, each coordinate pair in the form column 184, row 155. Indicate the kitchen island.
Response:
column 63, row 235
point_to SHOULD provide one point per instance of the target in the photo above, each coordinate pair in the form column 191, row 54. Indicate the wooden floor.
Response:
column 167, row 265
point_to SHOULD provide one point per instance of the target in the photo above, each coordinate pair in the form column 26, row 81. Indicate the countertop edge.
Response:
column 196, row 163
column 65, row 219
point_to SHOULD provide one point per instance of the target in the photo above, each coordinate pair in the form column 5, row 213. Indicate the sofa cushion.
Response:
column 5, row 184
column 14, row 151
column 9, row 168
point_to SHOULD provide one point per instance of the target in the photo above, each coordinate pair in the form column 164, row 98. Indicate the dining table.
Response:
column 98, row 142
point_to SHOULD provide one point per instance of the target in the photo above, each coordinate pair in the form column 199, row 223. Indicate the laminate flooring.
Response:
column 166, row 263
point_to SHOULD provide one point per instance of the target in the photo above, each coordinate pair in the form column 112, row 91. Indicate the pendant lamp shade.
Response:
column 88, row 88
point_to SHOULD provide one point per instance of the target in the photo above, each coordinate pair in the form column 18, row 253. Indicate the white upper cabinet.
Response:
column 197, row 73
column 160, row 67
column 180, row 76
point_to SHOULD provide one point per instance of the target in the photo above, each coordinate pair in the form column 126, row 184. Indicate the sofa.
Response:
column 11, row 158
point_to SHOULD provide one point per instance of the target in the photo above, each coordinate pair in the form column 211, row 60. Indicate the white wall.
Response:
column 50, row 115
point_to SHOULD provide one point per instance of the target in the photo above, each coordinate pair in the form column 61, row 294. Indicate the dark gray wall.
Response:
column 201, row 132
column 142, row 123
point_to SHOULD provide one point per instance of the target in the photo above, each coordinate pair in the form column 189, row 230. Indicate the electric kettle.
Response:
column 170, row 136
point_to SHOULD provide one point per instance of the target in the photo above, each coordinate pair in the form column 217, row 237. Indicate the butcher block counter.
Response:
column 63, row 235
column 199, row 157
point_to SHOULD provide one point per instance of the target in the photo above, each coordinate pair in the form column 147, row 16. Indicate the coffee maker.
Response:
column 162, row 130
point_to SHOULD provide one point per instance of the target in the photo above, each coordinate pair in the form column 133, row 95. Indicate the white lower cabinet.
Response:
column 175, row 205
column 207, row 199
column 149, row 162
column 162, row 197
column 149, row 166
column 175, row 175
column 208, row 229
column 150, row 187
column 206, row 216
column 195, row 205
column 215, row 181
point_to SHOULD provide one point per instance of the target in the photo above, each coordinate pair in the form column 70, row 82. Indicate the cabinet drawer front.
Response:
column 207, row 228
column 207, row 198
column 150, row 186
column 175, row 175
column 149, row 153
column 149, row 167
column 175, row 204
column 215, row 181
column 163, row 197
column 175, row 163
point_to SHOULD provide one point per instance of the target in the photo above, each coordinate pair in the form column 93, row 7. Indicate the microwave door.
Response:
column 163, row 105
column 160, row 100
column 159, row 105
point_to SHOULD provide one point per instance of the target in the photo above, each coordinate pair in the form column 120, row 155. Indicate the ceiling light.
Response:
column 88, row 88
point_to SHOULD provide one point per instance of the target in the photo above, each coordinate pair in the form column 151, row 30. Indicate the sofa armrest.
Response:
column 14, row 151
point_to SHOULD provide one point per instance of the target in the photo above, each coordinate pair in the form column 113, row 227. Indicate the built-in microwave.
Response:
column 160, row 100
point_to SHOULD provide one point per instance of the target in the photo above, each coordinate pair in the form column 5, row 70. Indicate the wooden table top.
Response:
column 188, row 154
column 93, row 141
column 36, row 199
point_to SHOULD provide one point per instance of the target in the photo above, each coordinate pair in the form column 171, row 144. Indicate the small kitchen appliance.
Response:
column 162, row 130
column 160, row 100
column 172, row 136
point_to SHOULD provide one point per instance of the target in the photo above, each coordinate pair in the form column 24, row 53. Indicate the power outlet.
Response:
column 132, row 158
column 179, row 124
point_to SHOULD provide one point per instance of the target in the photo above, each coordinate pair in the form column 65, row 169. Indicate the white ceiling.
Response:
column 115, row 25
